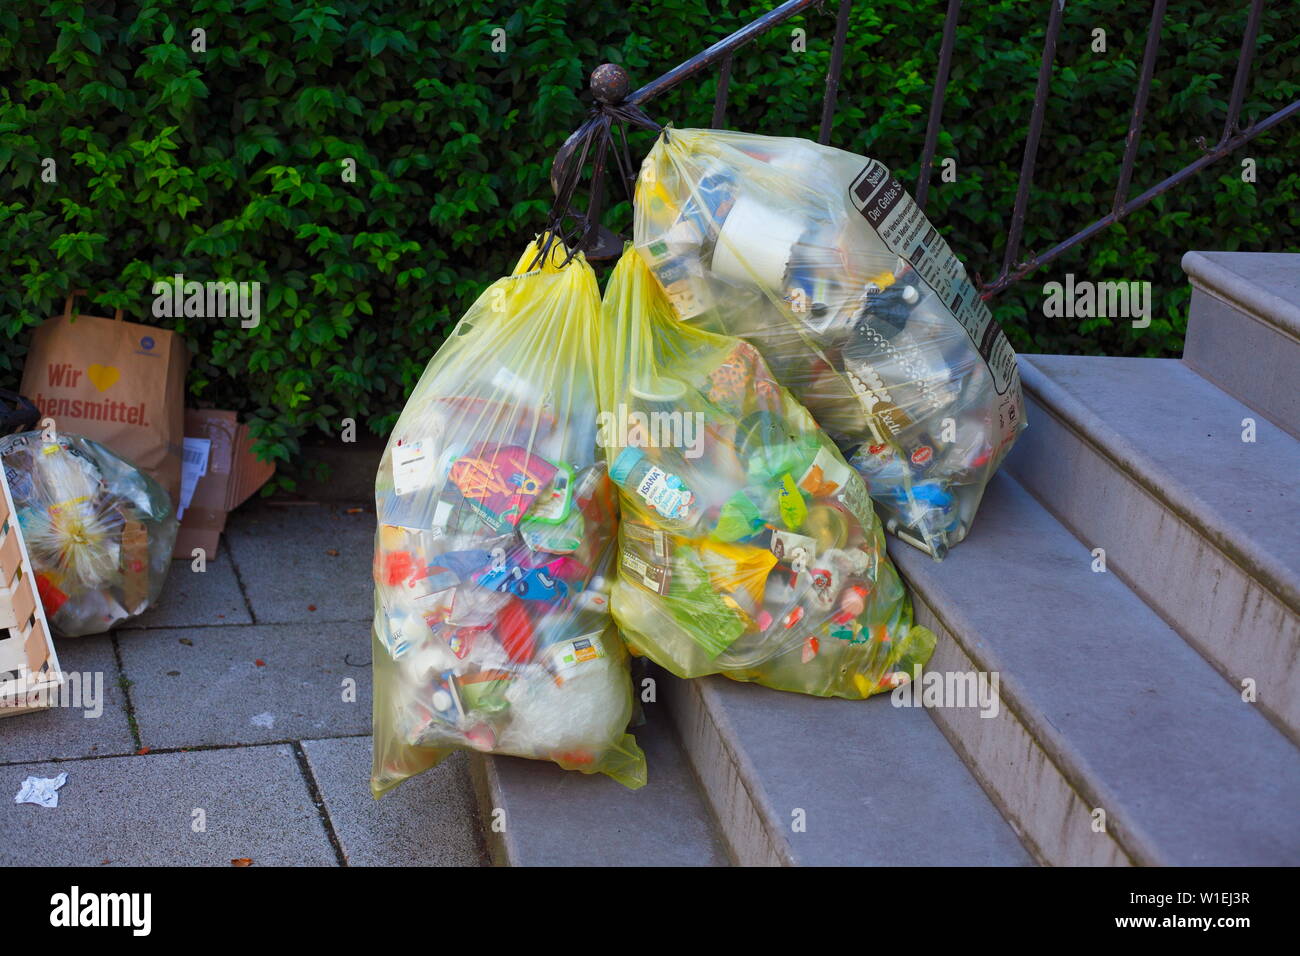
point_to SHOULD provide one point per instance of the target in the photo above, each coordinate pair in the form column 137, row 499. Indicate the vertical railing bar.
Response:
column 834, row 70
column 1140, row 104
column 1041, row 92
column 720, row 98
column 1137, row 202
column 936, row 102
column 1243, row 70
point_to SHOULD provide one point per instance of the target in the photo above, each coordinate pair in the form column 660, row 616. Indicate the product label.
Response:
column 666, row 494
column 854, row 497
column 790, row 503
column 900, row 224
column 825, row 475
column 567, row 655
column 883, row 416
column 652, row 577
column 413, row 462
column 796, row 550
column 644, row 535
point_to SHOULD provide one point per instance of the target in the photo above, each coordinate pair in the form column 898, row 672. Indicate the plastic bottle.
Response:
column 663, row 492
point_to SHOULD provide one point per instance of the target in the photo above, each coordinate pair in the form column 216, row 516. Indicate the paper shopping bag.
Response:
column 119, row 383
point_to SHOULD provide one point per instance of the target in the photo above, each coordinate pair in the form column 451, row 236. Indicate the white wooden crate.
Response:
column 29, row 668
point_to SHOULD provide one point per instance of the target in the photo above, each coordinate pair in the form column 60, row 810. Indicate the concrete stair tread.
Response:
column 1243, row 328
column 1137, row 722
column 555, row 817
column 879, row 785
column 1179, row 436
column 1264, row 284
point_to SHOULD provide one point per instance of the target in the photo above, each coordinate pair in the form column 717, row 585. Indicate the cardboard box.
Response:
column 232, row 475
column 29, row 668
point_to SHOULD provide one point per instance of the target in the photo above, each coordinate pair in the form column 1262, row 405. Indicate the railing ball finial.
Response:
column 609, row 84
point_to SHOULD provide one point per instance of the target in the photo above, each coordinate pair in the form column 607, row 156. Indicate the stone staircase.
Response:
column 1133, row 580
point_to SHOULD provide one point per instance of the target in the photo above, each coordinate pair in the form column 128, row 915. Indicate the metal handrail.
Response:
column 1233, row 136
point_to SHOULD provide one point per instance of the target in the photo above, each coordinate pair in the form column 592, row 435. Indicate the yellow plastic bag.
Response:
column 821, row 260
column 495, row 545
column 747, row 546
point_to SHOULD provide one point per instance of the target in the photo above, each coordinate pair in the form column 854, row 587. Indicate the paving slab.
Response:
column 213, row 691
column 430, row 820
column 140, row 811
column 195, row 598
column 282, row 554
column 557, row 817
column 63, row 732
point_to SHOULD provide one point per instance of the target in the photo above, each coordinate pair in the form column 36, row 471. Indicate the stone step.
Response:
column 1145, row 459
column 1116, row 742
column 1243, row 330
column 798, row 780
column 555, row 817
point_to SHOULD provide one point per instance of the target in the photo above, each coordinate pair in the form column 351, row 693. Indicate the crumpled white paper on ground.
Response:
column 41, row 790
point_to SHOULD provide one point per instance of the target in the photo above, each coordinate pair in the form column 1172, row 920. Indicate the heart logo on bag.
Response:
column 102, row 376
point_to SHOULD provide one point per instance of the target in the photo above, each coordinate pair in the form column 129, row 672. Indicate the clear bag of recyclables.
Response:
column 99, row 531
column 821, row 260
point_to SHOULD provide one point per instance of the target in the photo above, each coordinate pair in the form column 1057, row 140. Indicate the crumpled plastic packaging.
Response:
column 821, row 260
column 747, row 547
column 99, row 531
column 495, row 544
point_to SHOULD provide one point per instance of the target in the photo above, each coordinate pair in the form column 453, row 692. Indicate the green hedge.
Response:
column 227, row 163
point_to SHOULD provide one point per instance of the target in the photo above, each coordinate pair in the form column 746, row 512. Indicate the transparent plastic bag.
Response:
column 747, row 546
column 99, row 531
column 495, row 542
column 821, row 260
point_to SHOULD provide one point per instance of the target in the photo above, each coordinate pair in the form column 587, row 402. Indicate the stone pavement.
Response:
column 227, row 729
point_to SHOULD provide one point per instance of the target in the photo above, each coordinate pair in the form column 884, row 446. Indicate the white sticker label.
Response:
column 566, row 655
column 413, row 463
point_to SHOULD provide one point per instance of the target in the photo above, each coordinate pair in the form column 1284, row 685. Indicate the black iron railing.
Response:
column 1013, row 268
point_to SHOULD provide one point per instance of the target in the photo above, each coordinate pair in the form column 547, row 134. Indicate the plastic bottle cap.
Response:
column 627, row 460
column 661, row 389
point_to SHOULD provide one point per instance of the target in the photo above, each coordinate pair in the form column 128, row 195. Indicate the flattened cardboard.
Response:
column 135, row 565
column 232, row 477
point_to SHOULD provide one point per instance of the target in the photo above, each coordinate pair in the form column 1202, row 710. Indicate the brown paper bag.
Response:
column 120, row 383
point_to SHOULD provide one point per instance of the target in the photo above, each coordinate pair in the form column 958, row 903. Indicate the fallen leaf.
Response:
column 333, row 552
column 311, row 607
column 242, row 861
column 142, row 751
column 187, row 642
column 259, row 662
